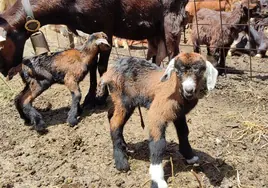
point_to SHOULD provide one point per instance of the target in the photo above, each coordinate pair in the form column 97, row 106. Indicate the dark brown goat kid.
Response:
column 168, row 94
column 209, row 31
column 130, row 19
column 68, row 67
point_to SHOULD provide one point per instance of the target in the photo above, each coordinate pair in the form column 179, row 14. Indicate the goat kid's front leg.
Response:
column 184, row 145
column 118, row 116
column 157, row 146
column 90, row 99
column 76, row 97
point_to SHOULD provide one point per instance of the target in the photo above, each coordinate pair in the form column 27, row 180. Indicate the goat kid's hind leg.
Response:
column 118, row 116
column 76, row 97
column 19, row 106
column 184, row 145
column 24, row 102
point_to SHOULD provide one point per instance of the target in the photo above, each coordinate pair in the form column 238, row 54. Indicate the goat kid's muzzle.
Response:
column 189, row 87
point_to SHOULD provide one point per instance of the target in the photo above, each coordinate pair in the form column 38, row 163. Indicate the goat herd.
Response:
column 168, row 94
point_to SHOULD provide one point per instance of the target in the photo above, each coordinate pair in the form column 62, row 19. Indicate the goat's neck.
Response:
column 45, row 13
column 254, row 34
column 89, row 54
column 235, row 17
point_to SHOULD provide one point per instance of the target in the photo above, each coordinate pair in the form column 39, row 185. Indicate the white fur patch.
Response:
column 211, row 76
column 192, row 160
column 2, row 38
column 157, row 175
column 102, row 41
column 189, row 84
column 170, row 68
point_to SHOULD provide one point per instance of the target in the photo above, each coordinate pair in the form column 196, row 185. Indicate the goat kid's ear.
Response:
column 211, row 76
column 3, row 35
column 170, row 68
column 102, row 41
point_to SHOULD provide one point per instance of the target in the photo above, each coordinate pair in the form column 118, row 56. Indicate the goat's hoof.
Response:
column 72, row 121
column 192, row 160
column 159, row 184
column 121, row 162
column 41, row 127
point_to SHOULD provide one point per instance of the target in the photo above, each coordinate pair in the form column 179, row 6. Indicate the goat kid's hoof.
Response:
column 159, row 184
column 41, row 127
column 72, row 121
column 193, row 160
column 121, row 162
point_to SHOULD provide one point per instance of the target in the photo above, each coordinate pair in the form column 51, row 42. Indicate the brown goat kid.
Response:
column 68, row 67
column 209, row 31
column 168, row 94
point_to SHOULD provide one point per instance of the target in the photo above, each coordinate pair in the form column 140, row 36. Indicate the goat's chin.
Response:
column 188, row 96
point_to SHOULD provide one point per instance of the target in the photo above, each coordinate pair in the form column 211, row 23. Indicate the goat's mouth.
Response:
column 188, row 96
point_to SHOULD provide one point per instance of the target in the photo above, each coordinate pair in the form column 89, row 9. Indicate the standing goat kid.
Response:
column 68, row 67
column 168, row 94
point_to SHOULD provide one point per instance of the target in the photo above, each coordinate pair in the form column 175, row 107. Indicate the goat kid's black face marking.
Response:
column 191, row 76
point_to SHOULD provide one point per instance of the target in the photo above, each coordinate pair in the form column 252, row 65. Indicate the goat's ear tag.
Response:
column 211, row 76
column 102, row 41
column 170, row 68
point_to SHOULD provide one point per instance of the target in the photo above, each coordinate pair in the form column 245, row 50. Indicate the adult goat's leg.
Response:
column 184, row 145
column 102, row 68
column 90, row 98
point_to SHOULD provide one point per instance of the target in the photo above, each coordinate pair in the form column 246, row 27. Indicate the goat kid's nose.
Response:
column 189, row 90
column 189, row 85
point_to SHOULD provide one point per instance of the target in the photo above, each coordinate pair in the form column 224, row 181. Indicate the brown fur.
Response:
column 134, row 82
column 68, row 67
column 193, row 7
column 130, row 19
column 214, row 35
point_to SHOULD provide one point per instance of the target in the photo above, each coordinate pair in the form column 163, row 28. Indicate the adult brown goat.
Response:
column 130, row 19
column 218, row 38
column 168, row 94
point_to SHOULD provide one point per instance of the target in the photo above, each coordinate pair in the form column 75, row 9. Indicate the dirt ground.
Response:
column 228, row 131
